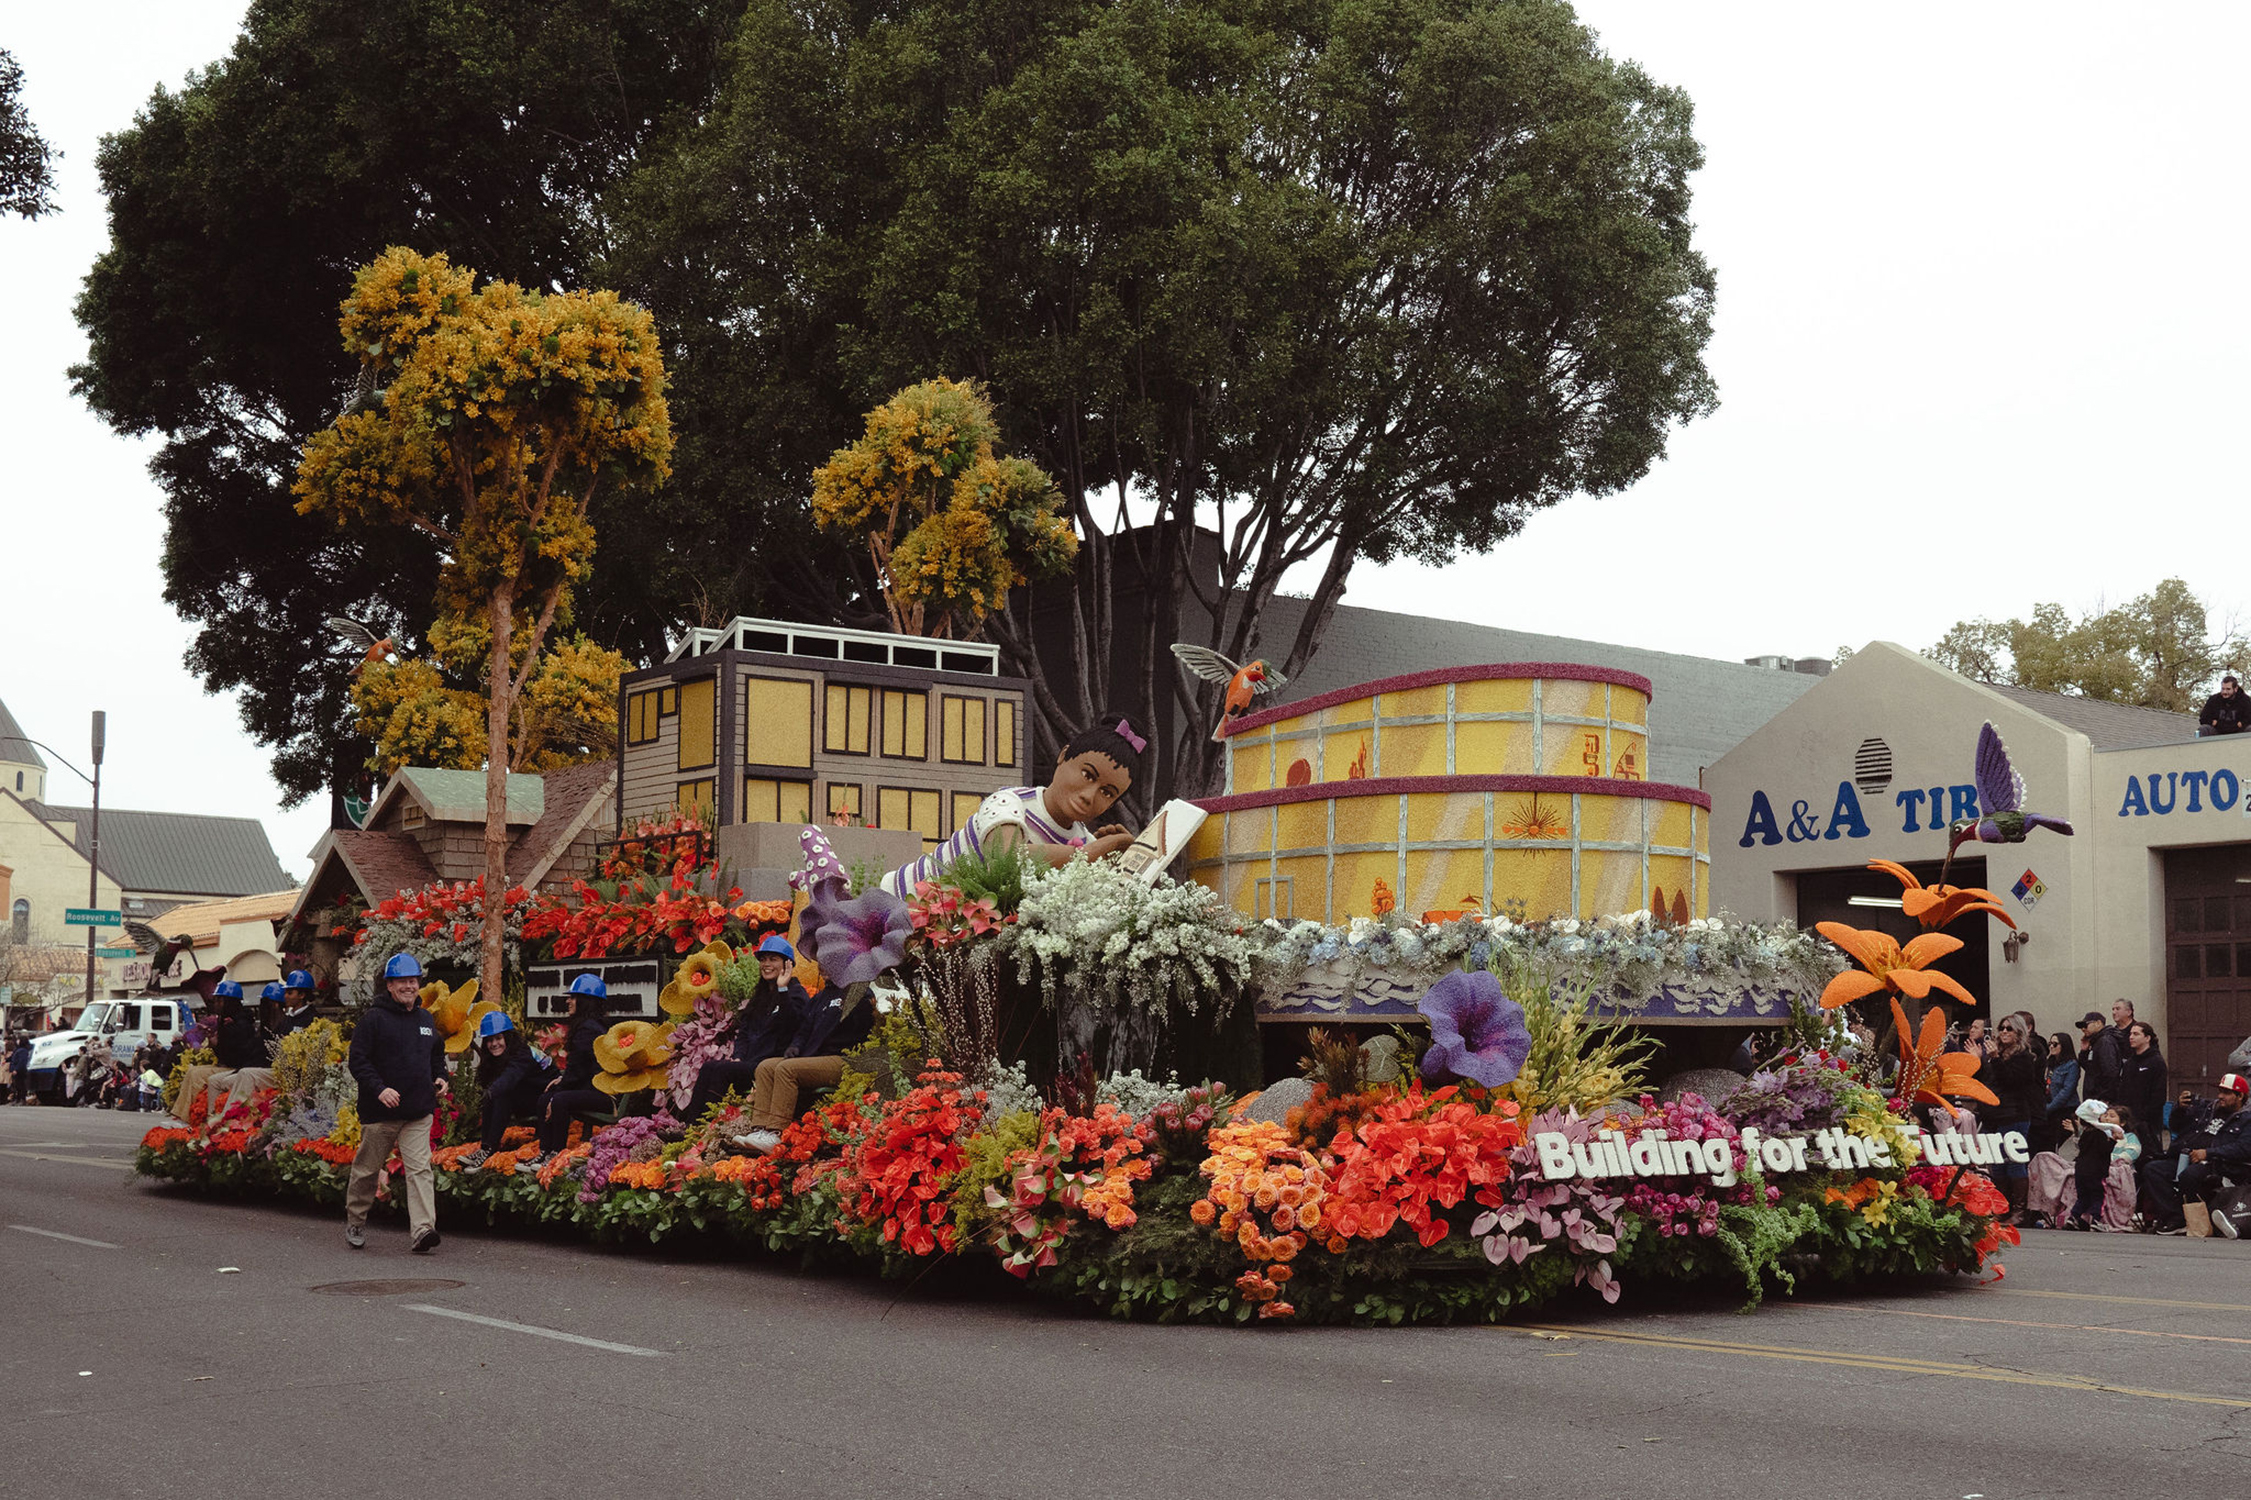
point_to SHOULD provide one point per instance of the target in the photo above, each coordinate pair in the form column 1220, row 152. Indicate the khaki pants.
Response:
column 412, row 1138
column 232, row 1086
column 194, row 1079
column 773, row 1095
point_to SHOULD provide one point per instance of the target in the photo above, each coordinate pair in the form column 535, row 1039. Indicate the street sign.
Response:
column 115, row 952
column 92, row 916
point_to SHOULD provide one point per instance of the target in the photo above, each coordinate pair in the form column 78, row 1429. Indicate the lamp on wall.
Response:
column 2013, row 944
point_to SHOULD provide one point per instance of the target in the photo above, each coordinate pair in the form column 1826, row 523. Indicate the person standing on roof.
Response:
column 2227, row 711
column 399, row 1061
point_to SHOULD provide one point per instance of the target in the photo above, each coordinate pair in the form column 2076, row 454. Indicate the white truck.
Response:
column 124, row 1024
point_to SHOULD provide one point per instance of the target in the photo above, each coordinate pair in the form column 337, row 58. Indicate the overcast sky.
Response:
column 1979, row 343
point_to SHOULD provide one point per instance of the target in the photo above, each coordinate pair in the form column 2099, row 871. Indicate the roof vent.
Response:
column 1871, row 767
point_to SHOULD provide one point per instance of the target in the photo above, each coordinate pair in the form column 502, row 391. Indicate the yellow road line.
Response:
column 76, row 1161
column 2019, row 1291
column 1903, row 1312
column 1895, row 1364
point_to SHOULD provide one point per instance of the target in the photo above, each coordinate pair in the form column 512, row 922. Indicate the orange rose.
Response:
column 1203, row 1212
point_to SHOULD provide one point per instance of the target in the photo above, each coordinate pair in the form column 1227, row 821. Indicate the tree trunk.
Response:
column 492, row 980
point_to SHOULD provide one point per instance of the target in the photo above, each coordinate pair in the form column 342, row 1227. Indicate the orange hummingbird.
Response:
column 1243, row 683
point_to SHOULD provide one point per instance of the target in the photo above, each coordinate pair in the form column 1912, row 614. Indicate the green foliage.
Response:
column 2158, row 650
column 995, row 873
column 238, row 204
column 1575, row 1062
column 985, row 1164
column 27, row 162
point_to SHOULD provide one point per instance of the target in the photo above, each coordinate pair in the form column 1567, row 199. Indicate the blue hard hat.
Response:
column 493, row 1024
column 402, row 966
column 226, row 989
column 590, row 984
column 298, row 980
column 270, row 992
column 778, row 944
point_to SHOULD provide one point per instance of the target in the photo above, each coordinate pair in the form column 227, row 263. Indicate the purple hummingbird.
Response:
column 2000, row 798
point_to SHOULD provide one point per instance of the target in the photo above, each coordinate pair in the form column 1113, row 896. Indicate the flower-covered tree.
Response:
column 428, row 711
column 950, row 525
column 488, row 418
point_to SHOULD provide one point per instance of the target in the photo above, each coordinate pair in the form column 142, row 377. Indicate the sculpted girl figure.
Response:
column 1053, row 822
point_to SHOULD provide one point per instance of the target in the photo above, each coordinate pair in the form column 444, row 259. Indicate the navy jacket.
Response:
column 517, row 1066
column 833, row 1024
column 770, row 1019
column 398, row 1047
column 293, row 1021
column 2230, row 1145
column 579, row 1062
column 237, row 1043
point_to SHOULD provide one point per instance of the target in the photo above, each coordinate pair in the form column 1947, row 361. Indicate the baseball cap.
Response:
column 2095, row 1016
column 2236, row 1084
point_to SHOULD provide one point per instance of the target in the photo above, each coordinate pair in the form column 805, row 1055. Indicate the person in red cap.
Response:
column 2181, row 1188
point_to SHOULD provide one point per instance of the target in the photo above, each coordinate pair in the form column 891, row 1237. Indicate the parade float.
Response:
column 1473, row 1136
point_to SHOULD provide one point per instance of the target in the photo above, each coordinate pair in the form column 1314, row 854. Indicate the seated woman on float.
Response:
column 1051, row 823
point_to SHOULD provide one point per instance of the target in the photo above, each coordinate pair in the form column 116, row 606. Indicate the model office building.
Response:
column 761, row 721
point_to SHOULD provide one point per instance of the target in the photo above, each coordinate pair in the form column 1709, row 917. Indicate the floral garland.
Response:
column 442, row 925
column 1623, row 960
column 1104, row 941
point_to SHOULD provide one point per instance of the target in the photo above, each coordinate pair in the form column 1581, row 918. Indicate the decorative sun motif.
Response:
column 1528, row 819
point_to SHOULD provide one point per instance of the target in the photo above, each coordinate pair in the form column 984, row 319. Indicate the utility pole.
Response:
column 94, row 851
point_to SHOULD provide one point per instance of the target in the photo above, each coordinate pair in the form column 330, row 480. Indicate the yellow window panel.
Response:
column 965, row 805
column 1004, row 732
column 923, row 814
column 906, row 725
column 699, row 798
column 844, row 797
column 668, row 701
column 777, row 721
column 891, row 807
column 845, row 730
column 769, row 801
column 949, row 729
column 963, row 735
column 699, row 722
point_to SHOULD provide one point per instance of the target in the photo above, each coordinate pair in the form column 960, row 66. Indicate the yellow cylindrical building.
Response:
column 1451, row 791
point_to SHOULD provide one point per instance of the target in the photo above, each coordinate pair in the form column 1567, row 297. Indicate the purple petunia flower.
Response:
column 854, row 938
column 1477, row 1032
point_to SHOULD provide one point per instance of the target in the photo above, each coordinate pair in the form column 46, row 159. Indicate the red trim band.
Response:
column 1507, row 671
column 1392, row 786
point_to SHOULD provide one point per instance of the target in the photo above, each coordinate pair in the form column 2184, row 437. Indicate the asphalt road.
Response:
column 132, row 1364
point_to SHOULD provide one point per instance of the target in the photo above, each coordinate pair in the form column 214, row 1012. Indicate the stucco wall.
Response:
column 48, row 873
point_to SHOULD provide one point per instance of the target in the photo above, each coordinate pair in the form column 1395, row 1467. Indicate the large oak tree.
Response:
column 1344, row 279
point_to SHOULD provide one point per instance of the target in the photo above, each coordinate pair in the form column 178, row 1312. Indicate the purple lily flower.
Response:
column 1477, row 1032
column 855, row 938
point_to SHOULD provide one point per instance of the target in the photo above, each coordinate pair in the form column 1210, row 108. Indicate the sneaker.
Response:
column 2179, row 1229
column 2225, row 1223
column 471, row 1160
column 355, row 1237
column 425, row 1242
column 762, row 1141
column 531, row 1164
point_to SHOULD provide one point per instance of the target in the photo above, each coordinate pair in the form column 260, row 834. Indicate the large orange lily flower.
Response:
column 1937, row 906
column 1889, row 966
column 1929, row 1076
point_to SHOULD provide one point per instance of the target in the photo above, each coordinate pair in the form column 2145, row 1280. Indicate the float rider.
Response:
column 513, row 1075
column 296, row 1004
